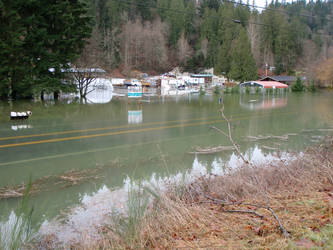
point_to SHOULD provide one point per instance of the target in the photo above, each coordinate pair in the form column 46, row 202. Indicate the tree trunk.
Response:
column 10, row 89
column 56, row 95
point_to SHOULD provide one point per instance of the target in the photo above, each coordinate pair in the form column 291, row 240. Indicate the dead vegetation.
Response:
column 212, row 150
column 67, row 179
column 70, row 178
column 281, row 206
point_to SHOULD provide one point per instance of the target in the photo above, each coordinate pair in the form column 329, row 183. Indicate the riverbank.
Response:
column 285, row 204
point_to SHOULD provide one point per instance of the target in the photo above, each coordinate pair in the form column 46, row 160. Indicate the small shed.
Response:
column 264, row 84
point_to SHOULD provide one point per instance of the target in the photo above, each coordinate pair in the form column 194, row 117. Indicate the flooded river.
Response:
column 72, row 150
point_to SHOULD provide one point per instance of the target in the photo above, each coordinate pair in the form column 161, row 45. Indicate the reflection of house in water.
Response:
column 100, row 91
column 21, row 126
column 260, row 102
column 278, row 99
column 134, row 116
column 134, row 113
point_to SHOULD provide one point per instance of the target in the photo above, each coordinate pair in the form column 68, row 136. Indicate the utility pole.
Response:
column 266, row 67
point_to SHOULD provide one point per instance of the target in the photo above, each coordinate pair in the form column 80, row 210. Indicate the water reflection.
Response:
column 84, row 137
column 134, row 116
column 95, row 209
column 259, row 102
column 21, row 126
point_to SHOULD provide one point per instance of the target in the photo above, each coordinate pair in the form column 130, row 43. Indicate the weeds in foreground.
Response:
column 17, row 231
column 235, row 216
column 187, row 218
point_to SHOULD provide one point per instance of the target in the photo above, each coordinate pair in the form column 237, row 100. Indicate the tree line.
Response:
column 40, row 39
column 156, row 35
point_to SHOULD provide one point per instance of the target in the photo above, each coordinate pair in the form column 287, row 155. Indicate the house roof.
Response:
column 265, row 84
column 202, row 75
column 279, row 78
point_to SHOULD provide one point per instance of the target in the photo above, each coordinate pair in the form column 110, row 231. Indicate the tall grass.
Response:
column 17, row 231
column 126, row 227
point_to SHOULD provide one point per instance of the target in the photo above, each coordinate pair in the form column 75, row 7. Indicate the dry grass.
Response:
column 230, row 211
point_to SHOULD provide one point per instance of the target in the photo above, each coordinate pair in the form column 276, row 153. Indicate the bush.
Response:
column 298, row 86
column 217, row 90
column 201, row 91
column 235, row 90
column 312, row 87
column 227, row 90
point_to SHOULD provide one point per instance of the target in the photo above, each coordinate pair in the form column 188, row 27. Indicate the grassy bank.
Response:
column 287, row 205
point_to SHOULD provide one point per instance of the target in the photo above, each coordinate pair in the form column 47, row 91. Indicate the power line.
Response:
column 230, row 1
column 269, row 9
column 180, row 11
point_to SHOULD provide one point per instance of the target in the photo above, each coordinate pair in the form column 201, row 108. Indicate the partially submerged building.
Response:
column 283, row 79
column 263, row 85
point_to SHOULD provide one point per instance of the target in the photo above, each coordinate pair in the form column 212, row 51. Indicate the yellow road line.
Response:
column 104, row 128
column 121, row 132
column 98, row 150
column 105, row 134
column 98, row 129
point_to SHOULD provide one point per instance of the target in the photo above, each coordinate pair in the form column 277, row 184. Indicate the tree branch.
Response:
column 229, row 134
column 244, row 212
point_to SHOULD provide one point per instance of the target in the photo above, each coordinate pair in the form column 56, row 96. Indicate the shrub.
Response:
column 235, row 90
column 312, row 87
column 227, row 90
column 217, row 90
column 298, row 86
column 201, row 91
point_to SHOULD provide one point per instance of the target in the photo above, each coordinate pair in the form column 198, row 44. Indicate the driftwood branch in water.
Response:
column 224, row 203
column 229, row 134
column 211, row 150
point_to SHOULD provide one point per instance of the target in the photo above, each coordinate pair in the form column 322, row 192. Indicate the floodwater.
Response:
column 107, row 144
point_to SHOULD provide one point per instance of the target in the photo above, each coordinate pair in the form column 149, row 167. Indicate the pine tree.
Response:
column 176, row 21
column 38, row 36
column 243, row 66
column 298, row 86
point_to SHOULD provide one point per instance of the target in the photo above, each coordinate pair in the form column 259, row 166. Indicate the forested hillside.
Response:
column 232, row 37
column 40, row 39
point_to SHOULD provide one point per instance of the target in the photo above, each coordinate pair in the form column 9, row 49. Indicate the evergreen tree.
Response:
column 298, row 86
column 13, row 63
column 227, row 33
column 176, row 21
column 243, row 66
column 40, row 40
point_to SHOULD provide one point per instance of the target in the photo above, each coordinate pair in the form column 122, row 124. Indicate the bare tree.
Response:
column 325, row 72
column 87, row 67
column 184, row 49
column 204, row 47
column 143, row 45
column 254, row 36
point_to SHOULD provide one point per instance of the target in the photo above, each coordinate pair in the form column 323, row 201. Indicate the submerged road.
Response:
column 145, row 127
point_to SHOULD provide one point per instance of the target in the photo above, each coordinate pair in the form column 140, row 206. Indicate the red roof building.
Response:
column 264, row 84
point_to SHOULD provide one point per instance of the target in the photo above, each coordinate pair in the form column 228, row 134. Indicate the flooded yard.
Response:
column 89, row 153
